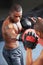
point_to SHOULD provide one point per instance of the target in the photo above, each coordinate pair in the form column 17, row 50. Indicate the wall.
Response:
column 26, row 4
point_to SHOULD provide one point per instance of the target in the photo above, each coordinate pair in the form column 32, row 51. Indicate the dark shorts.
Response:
column 13, row 56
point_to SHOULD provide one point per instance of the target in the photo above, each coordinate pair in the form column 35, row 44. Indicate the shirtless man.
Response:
column 10, row 29
column 39, row 31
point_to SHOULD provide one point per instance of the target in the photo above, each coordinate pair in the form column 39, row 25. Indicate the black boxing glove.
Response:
column 27, row 23
column 30, row 40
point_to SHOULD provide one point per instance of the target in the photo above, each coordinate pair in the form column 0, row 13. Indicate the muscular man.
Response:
column 10, row 29
column 38, row 50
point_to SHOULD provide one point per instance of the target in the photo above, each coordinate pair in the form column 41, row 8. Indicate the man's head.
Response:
column 16, row 12
column 39, row 27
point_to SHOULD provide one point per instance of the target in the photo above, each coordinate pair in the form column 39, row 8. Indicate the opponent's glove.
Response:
column 30, row 40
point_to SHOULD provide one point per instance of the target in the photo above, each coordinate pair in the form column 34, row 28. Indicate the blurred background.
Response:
column 30, row 7
column 26, row 4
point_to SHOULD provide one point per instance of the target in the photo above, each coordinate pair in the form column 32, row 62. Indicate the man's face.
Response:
column 40, row 33
column 16, row 16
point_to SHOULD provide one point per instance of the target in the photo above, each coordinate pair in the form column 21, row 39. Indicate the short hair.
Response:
column 15, row 7
column 39, row 25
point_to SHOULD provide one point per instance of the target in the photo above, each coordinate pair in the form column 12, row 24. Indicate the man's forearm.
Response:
column 29, row 56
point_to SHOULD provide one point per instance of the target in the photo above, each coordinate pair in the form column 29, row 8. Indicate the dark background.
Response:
column 26, row 4
column 30, row 7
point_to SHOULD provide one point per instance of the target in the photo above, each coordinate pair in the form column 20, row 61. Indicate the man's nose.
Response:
column 18, row 19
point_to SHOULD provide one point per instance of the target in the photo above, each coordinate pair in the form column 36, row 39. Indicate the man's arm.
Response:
column 29, row 56
column 39, row 60
column 10, row 31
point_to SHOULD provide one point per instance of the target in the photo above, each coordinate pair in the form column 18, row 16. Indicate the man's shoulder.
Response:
column 6, row 21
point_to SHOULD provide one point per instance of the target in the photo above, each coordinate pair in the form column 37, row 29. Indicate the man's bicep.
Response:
column 10, row 32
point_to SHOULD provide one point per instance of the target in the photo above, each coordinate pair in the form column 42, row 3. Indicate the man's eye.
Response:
column 15, row 16
column 18, row 16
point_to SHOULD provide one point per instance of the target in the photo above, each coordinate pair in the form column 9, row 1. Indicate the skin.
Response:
column 11, row 30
